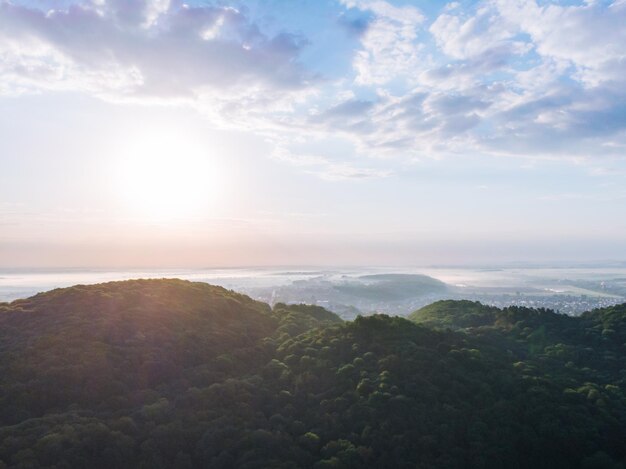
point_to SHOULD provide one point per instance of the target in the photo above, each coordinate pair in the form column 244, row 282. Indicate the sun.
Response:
column 167, row 176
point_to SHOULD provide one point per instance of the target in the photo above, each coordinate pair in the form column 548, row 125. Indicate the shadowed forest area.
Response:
column 171, row 373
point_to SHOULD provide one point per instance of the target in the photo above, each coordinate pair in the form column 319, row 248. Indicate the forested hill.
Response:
column 602, row 331
column 169, row 373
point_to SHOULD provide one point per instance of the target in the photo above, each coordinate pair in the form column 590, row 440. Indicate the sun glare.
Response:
column 166, row 176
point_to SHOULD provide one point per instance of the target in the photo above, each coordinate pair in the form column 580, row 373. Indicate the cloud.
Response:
column 145, row 48
column 591, row 36
column 496, row 77
column 501, row 77
column 388, row 46
column 462, row 38
column 326, row 168
column 349, row 116
column 412, row 125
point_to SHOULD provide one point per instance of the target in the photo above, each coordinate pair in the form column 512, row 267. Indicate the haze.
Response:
column 349, row 132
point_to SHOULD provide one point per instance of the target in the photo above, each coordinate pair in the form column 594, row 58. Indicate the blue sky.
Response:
column 164, row 133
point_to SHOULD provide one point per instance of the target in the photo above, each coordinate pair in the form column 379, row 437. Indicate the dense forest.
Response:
column 170, row 373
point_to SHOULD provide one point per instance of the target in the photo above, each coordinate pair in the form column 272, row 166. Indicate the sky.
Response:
column 162, row 133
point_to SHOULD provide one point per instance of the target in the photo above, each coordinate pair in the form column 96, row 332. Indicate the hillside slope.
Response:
column 88, row 344
column 166, row 373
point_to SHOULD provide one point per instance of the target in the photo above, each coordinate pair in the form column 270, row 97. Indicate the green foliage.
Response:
column 392, row 287
column 455, row 314
column 315, row 312
column 166, row 373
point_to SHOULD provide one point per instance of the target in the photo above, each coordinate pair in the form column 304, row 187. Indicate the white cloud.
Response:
column 138, row 13
column 388, row 45
column 154, row 10
column 592, row 37
column 505, row 77
column 462, row 38
column 502, row 77
column 146, row 49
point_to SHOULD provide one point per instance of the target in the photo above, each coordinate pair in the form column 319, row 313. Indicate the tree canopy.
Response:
column 169, row 373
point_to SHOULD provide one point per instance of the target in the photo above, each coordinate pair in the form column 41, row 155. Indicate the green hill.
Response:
column 167, row 373
column 90, row 345
column 455, row 314
column 391, row 287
